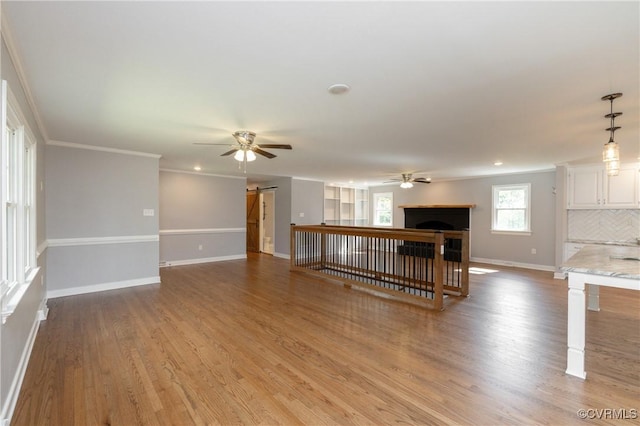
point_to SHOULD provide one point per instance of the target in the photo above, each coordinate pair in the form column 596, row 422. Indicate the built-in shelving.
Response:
column 346, row 206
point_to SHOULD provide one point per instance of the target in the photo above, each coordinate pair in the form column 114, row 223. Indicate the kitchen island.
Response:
column 591, row 267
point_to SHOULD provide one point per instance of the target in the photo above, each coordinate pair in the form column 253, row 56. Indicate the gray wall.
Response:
column 307, row 197
column 485, row 246
column 97, row 233
column 18, row 333
column 283, row 215
column 202, row 218
column 295, row 196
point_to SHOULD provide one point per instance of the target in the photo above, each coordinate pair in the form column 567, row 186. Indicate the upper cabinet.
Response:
column 590, row 187
column 346, row 206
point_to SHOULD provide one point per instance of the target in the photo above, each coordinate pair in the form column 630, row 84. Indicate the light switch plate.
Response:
column 148, row 212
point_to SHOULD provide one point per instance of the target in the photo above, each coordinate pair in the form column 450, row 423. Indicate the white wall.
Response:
column 485, row 246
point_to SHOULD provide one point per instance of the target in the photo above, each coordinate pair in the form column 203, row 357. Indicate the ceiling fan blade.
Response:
column 275, row 145
column 393, row 181
column 421, row 181
column 229, row 152
column 264, row 153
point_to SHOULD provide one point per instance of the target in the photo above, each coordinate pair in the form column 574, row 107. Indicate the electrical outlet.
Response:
column 200, row 247
column 533, row 251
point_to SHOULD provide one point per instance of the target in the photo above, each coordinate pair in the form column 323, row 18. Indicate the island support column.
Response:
column 594, row 297
column 576, row 325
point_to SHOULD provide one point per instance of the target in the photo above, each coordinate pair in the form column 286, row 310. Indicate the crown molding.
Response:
column 101, row 148
column 7, row 37
column 187, row 172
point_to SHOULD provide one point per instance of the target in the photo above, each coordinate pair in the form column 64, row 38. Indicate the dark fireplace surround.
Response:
column 439, row 218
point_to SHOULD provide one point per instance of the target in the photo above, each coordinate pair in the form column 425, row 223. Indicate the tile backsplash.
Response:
column 604, row 225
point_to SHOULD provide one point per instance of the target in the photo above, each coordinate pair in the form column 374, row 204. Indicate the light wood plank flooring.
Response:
column 248, row 342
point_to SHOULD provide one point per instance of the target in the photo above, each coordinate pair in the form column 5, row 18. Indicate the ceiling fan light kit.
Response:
column 245, row 150
column 408, row 180
column 611, row 152
column 244, row 154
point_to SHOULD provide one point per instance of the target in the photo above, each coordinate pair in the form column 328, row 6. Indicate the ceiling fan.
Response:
column 245, row 149
column 407, row 180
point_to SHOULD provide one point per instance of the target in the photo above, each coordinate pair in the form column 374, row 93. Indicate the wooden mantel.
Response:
column 437, row 206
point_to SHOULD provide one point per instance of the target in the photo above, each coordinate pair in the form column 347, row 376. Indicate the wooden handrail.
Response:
column 353, row 253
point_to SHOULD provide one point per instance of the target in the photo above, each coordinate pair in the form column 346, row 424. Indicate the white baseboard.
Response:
column 16, row 383
column 282, row 256
column 201, row 260
column 72, row 291
column 43, row 311
column 514, row 264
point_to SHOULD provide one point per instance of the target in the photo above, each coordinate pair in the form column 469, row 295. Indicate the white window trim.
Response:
column 524, row 232
column 24, row 252
column 375, row 204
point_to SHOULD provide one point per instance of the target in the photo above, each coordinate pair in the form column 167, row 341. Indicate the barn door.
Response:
column 253, row 222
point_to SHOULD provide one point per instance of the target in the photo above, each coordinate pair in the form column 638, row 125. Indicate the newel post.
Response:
column 464, row 290
column 292, row 248
column 438, row 267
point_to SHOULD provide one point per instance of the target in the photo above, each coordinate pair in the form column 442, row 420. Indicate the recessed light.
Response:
column 197, row 168
column 498, row 163
column 338, row 89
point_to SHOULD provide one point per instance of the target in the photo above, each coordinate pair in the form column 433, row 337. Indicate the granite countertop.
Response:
column 608, row 260
column 605, row 243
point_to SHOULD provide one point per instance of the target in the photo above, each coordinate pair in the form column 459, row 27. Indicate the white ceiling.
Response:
column 441, row 88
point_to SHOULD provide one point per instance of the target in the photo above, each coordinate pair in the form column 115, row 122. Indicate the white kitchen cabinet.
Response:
column 590, row 187
column 621, row 191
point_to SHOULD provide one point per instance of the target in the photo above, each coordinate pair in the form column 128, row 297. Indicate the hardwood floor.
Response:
column 248, row 342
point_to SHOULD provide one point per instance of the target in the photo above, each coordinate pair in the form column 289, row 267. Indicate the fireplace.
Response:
column 440, row 218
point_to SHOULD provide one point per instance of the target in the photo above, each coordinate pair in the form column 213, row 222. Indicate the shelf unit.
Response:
column 332, row 205
column 346, row 206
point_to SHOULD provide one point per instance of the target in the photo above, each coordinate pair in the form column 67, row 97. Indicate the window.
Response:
column 18, row 212
column 383, row 209
column 511, row 208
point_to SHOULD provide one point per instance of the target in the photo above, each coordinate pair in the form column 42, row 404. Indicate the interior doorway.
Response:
column 268, row 223
column 253, row 221
column 261, row 221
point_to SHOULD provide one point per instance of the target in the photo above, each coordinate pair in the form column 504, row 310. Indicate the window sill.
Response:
column 521, row 233
column 15, row 298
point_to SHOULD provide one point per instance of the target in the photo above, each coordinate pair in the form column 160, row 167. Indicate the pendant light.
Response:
column 611, row 153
